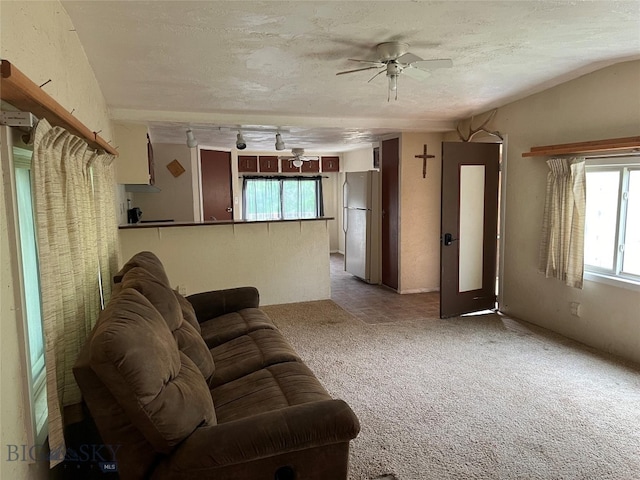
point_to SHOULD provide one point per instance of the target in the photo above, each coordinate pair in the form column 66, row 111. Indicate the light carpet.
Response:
column 481, row 397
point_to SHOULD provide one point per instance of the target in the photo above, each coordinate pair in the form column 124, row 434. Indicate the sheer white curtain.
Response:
column 562, row 241
column 69, row 260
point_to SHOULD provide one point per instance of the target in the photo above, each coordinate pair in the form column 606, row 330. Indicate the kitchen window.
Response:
column 612, row 223
column 281, row 198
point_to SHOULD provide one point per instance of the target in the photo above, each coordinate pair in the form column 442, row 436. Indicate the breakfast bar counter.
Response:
column 287, row 260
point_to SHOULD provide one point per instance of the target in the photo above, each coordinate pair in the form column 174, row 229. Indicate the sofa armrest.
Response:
column 272, row 433
column 208, row 305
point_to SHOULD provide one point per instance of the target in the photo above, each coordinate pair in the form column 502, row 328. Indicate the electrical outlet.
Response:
column 575, row 309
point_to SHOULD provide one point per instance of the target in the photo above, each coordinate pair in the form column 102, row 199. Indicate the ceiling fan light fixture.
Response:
column 297, row 163
column 191, row 139
column 393, row 82
column 240, row 143
column 279, row 142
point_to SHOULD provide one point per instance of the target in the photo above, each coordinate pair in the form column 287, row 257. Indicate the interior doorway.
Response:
column 215, row 170
column 469, row 227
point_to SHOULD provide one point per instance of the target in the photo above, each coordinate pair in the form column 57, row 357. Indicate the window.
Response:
column 612, row 223
column 282, row 198
column 26, row 252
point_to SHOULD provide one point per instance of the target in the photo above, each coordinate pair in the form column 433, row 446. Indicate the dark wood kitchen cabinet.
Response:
column 287, row 166
column 330, row 164
column 268, row 163
column 247, row 163
column 312, row 166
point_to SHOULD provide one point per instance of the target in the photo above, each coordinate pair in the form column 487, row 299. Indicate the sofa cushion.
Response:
column 188, row 312
column 147, row 260
column 136, row 357
column 164, row 299
column 249, row 353
column 270, row 388
column 232, row 325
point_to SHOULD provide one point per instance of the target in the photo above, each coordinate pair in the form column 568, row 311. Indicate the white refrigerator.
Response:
column 361, row 222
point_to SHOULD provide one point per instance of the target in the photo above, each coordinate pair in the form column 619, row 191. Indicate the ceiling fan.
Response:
column 394, row 58
column 298, row 157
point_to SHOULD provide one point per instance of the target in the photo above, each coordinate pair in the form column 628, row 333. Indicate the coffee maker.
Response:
column 133, row 215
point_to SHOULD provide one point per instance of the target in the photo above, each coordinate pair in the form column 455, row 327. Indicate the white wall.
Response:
column 38, row 38
column 603, row 104
column 175, row 199
column 287, row 261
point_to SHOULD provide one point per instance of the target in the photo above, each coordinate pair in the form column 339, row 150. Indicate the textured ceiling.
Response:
column 174, row 64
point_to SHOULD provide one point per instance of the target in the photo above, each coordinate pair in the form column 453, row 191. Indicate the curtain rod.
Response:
column 18, row 90
column 621, row 145
column 278, row 177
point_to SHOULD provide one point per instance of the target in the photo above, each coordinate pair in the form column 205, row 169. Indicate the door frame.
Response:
column 501, row 139
column 502, row 202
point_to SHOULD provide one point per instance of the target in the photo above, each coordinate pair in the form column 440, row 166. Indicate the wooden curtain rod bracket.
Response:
column 611, row 145
column 18, row 90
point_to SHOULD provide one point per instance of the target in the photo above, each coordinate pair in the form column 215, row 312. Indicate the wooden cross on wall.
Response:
column 424, row 157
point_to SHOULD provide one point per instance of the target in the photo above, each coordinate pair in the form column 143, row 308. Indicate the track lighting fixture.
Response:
column 240, row 143
column 279, row 142
column 191, row 140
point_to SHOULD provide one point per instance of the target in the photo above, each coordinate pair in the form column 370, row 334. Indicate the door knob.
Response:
column 229, row 209
column 448, row 239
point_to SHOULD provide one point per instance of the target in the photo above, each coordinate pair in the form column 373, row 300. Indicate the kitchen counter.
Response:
column 165, row 224
column 287, row 260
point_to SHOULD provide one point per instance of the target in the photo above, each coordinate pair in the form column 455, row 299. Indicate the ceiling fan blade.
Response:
column 416, row 73
column 432, row 64
column 381, row 71
column 307, row 158
column 374, row 62
column 356, row 70
column 408, row 58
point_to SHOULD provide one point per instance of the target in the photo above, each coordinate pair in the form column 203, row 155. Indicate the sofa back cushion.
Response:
column 188, row 311
column 147, row 260
column 135, row 355
column 164, row 299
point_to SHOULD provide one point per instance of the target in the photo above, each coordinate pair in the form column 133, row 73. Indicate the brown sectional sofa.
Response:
column 206, row 387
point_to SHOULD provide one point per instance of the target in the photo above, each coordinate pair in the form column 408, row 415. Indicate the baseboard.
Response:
column 418, row 290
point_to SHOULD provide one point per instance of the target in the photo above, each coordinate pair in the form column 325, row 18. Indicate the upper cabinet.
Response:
column 287, row 166
column 134, row 163
column 268, row 163
column 311, row 166
column 330, row 164
column 247, row 163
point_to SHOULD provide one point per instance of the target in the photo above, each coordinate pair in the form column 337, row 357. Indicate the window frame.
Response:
column 34, row 389
column 281, row 179
column 616, row 275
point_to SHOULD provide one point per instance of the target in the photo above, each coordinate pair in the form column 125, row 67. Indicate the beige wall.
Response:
column 287, row 261
column 359, row 160
column 604, row 104
column 419, row 234
column 175, row 199
column 38, row 38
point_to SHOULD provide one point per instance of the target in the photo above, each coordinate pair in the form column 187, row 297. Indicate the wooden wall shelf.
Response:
column 18, row 90
column 611, row 145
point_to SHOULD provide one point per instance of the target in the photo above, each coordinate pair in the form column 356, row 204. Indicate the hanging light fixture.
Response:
column 240, row 143
column 191, row 139
column 279, row 142
column 297, row 163
column 393, row 70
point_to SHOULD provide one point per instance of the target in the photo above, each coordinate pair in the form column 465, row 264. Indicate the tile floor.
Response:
column 378, row 304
